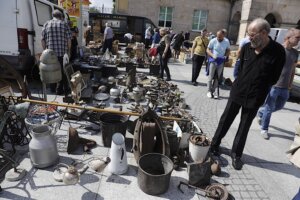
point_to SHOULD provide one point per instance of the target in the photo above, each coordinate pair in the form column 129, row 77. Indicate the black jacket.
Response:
column 257, row 73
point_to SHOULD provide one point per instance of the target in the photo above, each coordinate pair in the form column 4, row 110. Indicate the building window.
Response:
column 199, row 20
column 165, row 17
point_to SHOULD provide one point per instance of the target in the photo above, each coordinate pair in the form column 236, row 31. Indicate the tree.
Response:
column 94, row 10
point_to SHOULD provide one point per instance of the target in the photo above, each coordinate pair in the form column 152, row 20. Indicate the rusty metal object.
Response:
column 217, row 191
column 200, row 140
column 148, row 127
column 213, row 191
column 8, row 72
column 215, row 168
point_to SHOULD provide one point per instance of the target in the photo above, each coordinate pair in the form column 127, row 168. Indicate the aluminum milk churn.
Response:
column 42, row 147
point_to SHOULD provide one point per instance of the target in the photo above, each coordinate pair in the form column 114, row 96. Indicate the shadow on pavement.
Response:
column 91, row 195
column 274, row 166
column 258, row 162
column 189, row 83
column 292, row 110
column 294, row 99
column 173, row 191
column 283, row 131
column 118, row 179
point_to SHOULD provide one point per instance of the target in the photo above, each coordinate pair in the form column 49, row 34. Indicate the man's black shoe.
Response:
column 195, row 84
column 168, row 79
column 215, row 151
column 237, row 163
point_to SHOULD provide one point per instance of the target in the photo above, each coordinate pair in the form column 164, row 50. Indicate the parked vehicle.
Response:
column 121, row 24
column 278, row 34
column 21, row 26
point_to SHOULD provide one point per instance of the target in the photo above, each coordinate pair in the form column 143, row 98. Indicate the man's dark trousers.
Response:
column 62, row 86
column 107, row 45
column 228, row 116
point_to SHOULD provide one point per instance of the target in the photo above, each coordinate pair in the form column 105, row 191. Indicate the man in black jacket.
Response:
column 261, row 63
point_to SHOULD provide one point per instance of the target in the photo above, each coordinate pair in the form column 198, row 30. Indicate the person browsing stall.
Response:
column 261, row 64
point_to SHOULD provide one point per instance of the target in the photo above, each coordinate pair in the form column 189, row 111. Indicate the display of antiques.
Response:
column 42, row 147
column 50, row 69
column 15, row 173
column 13, row 130
column 74, row 141
column 70, row 174
column 165, row 135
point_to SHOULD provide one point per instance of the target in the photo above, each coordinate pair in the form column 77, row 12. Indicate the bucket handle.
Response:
column 122, row 153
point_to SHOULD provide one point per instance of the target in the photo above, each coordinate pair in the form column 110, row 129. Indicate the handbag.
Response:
column 153, row 51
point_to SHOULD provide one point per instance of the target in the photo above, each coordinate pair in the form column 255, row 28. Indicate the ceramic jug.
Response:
column 118, row 163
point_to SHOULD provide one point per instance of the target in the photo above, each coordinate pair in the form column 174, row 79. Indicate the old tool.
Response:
column 213, row 191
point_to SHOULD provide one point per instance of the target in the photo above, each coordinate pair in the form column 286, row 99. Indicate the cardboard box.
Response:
column 185, row 57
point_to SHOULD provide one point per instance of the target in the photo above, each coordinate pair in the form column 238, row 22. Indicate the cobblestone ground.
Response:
column 240, row 184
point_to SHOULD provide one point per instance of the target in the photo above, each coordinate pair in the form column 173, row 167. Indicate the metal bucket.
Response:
column 199, row 174
column 154, row 173
column 110, row 124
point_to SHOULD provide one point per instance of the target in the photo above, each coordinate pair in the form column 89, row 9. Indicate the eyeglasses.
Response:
column 253, row 35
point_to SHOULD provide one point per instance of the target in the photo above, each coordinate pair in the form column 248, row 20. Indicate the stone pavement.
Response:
column 267, row 173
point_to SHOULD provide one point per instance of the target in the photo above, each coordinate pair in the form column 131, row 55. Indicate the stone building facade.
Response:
column 233, row 15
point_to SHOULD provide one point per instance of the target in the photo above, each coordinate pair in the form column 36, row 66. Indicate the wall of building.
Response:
column 220, row 13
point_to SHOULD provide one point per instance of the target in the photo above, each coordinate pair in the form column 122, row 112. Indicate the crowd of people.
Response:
column 263, row 72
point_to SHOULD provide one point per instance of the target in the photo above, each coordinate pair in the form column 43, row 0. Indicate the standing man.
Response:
column 279, row 93
column 74, row 42
column 128, row 38
column 218, row 50
column 176, row 44
column 108, row 38
column 148, row 36
column 56, row 35
column 262, row 61
column 156, row 38
column 88, row 35
column 164, row 53
column 198, row 53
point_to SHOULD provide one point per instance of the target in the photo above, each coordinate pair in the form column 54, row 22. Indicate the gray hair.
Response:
column 57, row 14
column 261, row 24
column 291, row 32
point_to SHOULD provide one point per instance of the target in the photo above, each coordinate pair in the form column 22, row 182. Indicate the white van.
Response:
column 21, row 24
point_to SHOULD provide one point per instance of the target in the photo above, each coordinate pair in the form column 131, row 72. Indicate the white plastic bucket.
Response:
column 197, row 153
column 117, row 154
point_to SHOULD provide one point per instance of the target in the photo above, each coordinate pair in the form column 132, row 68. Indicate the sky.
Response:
column 99, row 3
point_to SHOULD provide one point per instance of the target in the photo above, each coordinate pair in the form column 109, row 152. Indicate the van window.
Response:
column 43, row 12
